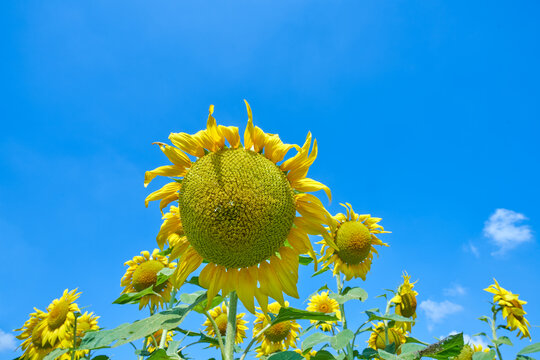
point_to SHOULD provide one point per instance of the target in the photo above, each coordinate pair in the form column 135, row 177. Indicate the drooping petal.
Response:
column 165, row 191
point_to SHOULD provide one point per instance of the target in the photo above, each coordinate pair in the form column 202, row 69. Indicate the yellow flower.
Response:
column 468, row 351
column 377, row 339
column 278, row 337
column 32, row 344
column 59, row 319
column 322, row 303
column 405, row 300
column 307, row 356
column 143, row 273
column 512, row 309
column 237, row 207
column 219, row 314
column 86, row 322
column 156, row 338
column 354, row 235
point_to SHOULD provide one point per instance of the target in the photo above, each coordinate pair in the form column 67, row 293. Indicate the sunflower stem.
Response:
column 350, row 352
column 494, row 332
column 386, row 312
column 74, row 336
column 231, row 326
column 163, row 339
column 255, row 339
column 218, row 333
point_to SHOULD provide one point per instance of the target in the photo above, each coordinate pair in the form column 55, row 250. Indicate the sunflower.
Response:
column 278, row 337
column 86, row 322
column 377, row 339
column 237, row 210
column 405, row 301
column 59, row 319
column 219, row 314
column 512, row 309
column 354, row 236
column 323, row 303
column 468, row 351
column 155, row 339
column 32, row 344
column 143, row 273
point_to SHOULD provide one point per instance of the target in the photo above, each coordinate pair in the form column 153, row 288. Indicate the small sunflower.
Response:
column 142, row 273
column 278, row 337
column 377, row 339
column 355, row 237
column 468, row 351
column 323, row 303
column 405, row 301
column 237, row 209
column 156, row 338
column 219, row 314
column 86, row 322
column 59, row 319
column 512, row 309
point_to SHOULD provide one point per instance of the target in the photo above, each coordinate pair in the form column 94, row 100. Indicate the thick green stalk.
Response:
column 350, row 352
column 74, row 337
column 218, row 333
column 494, row 332
column 231, row 326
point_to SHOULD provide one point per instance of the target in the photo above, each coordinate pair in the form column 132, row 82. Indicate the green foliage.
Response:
column 533, row 348
column 286, row 314
column 349, row 293
column 338, row 341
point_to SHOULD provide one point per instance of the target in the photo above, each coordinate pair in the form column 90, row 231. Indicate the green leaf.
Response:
column 201, row 308
column 286, row 355
column 161, row 354
column 484, row 355
column 448, row 347
column 387, row 356
column 411, row 347
column 125, row 333
column 323, row 355
column 338, row 341
column 304, row 260
column 519, row 357
column 55, row 353
column 348, row 293
column 194, row 281
column 530, row 349
column 412, row 340
column 101, row 357
column 133, row 298
column 320, row 271
column 286, row 314
column 368, row 353
column 390, row 317
column 503, row 340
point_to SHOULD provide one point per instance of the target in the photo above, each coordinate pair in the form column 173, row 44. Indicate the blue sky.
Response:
column 426, row 114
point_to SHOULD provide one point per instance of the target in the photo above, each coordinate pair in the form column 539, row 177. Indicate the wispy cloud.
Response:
column 503, row 230
column 437, row 311
column 455, row 290
column 471, row 248
column 7, row 341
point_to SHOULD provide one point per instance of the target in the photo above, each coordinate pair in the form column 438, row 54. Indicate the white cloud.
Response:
column 455, row 290
column 503, row 230
column 471, row 248
column 7, row 341
column 437, row 311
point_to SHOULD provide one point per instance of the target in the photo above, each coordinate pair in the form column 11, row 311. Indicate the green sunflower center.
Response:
column 354, row 242
column 145, row 275
column 57, row 315
column 237, row 207
column 221, row 322
column 278, row 332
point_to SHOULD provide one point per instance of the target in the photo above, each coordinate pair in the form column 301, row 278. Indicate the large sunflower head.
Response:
column 278, row 337
column 237, row 210
column 405, row 301
column 512, row 309
column 219, row 314
column 377, row 339
column 142, row 273
column 323, row 303
column 350, row 241
column 59, row 319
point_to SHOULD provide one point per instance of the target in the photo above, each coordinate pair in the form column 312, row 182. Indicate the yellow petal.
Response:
column 309, row 185
column 165, row 191
column 231, row 134
column 298, row 158
column 168, row 170
column 246, row 289
column 176, row 156
column 187, row 143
